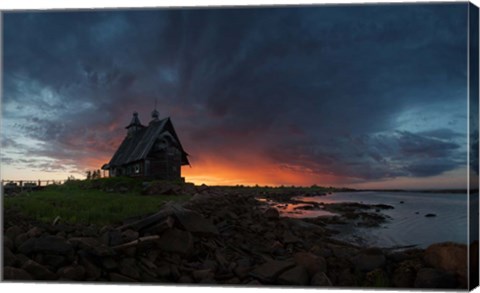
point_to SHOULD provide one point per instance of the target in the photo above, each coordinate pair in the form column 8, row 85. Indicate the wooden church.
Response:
column 152, row 151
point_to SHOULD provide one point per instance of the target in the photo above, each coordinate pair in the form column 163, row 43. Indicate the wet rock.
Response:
column 9, row 259
column 269, row 271
column 432, row 278
column 430, row 215
column 75, row 273
column 369, row 260
column 450, row 257
column 271, row 214
column 46, row 244
column 313, row 263
column 320, row 279
column 38, row 271
column 297, row 275
column 11, row 273
column 177, row 241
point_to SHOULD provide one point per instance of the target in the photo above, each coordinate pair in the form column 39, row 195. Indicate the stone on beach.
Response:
column 297, row 275
column 175, row 240
column 270, row 270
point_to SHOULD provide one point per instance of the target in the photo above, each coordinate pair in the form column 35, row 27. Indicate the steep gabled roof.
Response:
column 138, row 145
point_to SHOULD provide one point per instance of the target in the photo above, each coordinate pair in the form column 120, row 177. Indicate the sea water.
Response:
column 407, row 224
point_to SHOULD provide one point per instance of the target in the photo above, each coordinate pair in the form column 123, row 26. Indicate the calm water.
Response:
column 408, row 225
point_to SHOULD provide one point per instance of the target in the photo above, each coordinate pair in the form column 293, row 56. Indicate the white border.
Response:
column 9, row 5
column 85, row 4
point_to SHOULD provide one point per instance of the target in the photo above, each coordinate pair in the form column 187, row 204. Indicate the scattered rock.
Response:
column 377, row 278
column 297, row 275
column 177, row 241
column 91, row 270
column 20, row 239
column 129, row 268
column 38, row 271
column 34, row 232
column 369, row 260
column 46, row 244
column 320, row 279
column 194, row 222
column 117, row 278
column 74, row 273
column 271, row 214
column 8, row 243
column 54, row 261
column 202, row 275
column 313, row 263
column 14, row 274
column 9, row 259
column 404, row 277
column 91, row 245
column 271, row 269
column 13, row 231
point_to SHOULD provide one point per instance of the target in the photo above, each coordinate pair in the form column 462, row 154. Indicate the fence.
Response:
column 9, row 186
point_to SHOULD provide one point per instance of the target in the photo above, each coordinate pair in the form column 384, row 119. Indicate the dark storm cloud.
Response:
column 310, row 88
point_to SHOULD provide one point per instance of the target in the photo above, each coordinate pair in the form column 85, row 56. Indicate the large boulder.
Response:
column 450, row 257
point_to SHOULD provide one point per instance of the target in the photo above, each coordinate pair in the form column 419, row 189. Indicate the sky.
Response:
column 364, row 96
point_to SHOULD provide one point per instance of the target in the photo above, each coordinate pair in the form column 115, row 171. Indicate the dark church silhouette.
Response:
column 152, row 151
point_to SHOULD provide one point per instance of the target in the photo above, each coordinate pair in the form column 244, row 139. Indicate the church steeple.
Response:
column 134, row 125
column 155, row 113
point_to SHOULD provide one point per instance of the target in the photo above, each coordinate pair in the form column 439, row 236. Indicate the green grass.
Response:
column 86, row 205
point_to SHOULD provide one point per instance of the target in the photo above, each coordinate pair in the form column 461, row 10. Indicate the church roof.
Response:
column 137, row 146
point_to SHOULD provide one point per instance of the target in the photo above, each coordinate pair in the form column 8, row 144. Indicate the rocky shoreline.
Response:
column 223, row 236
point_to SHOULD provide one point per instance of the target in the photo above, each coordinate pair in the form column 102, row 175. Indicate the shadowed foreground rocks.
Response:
column 218, row 237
